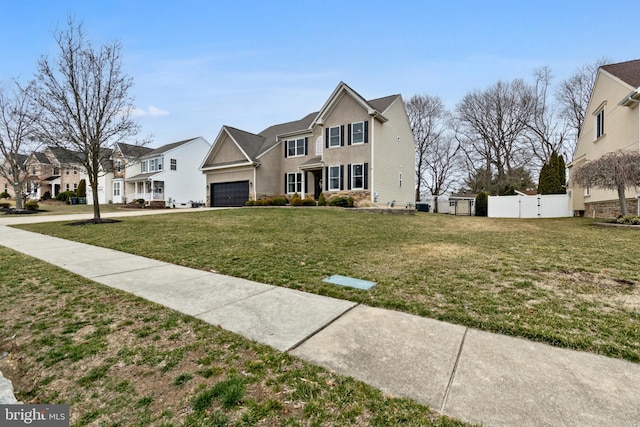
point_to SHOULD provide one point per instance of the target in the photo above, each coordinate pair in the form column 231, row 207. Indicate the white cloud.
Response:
column 151, row 111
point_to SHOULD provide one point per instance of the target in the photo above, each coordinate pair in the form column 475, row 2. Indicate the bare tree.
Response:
column 428, row 119
column 613, row 171
column 443, row 161
column 17, row 117
column 547, row 130
column 573, row 94
column 85, row 101
column 491, row 128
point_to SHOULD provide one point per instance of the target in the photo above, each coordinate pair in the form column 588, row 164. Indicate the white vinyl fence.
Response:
column 523, row 206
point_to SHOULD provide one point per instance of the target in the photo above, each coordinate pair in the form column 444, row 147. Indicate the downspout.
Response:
column 373, row 161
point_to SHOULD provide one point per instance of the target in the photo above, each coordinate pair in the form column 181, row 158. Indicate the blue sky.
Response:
column 198, row 65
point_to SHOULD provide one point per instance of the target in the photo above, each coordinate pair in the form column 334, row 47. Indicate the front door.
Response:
column 317, row 180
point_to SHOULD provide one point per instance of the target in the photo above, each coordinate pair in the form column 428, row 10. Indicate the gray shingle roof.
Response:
column 628, row 72
column 133, row 151
column 256, row 144
column 168, row 147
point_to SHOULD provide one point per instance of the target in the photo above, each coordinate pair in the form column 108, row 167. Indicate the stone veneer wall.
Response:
column 357, row 195
column 609, row 208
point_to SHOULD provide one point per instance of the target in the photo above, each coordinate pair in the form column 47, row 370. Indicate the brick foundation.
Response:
column 609, row 208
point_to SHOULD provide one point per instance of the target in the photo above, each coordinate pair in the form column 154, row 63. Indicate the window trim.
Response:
column 354, row 176
column 297, row 182
column 353, row 133
column 599, row 125
column 332, row 137
column 330, row 186
column 297, row 150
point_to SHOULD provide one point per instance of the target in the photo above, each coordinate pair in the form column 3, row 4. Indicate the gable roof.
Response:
column 628, row 72
column 254, row 145
column 134, row 151
column 167, row 147
column 65, row 156
column 41, row 157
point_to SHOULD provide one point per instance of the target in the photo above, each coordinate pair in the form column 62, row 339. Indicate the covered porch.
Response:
column 145, row 187
column 312, row 177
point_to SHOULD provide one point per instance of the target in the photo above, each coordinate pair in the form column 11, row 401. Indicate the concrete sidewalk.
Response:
column 468, row 374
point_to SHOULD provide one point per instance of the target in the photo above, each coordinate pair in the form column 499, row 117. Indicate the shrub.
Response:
column 65, row 196
column 250, row 203
column 296, row 200
column 4, row 195
column 279, row 201
column 629, row 220
column 82, row 188
column 31, row 205
column 308, row 201
column 321, row 200
column 46, row 195
column 482, row 203
column 345, row 202
column 5, row 205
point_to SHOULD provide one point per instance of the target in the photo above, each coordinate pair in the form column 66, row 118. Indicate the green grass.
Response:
column 560, row 281
column 80, row 343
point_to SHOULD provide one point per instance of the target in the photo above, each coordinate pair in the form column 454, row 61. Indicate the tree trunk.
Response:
column 435, row 203
column 17, row 191
column 623, row 200
column 96, row 204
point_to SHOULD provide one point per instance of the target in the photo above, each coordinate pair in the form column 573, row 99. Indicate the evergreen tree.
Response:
column 553, row 176
column 482, row 204
column 82, row 188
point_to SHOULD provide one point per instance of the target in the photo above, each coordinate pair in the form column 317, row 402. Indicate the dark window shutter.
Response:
column 286, row 149
column 341, row 134
column 349, row 134
column 306, row 146
column 286, row 183
column 366, row 131
column 341, row 177
column 326, row 178
column 349, row 177
column 366, row 175
column 326, row 138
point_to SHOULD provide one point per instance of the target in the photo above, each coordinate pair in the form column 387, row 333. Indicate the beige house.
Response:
column 351, row 147
column 54, row 170
column 611, row 123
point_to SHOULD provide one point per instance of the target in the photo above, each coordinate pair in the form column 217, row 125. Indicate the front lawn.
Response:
column 560, row 281
column 118, row 360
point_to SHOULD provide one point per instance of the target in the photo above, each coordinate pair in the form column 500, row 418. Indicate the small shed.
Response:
column 462, row 204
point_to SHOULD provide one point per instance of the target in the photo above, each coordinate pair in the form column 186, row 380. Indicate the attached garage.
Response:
column 226, row 194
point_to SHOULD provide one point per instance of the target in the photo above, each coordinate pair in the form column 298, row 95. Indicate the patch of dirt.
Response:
column 598, row 287
column 96, row 221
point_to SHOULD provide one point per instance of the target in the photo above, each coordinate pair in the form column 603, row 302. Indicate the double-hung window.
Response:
column 296, row 147
column 294, row 183
column 357, row 133
column 334, row 181
column 143, row 166
column 599, row 123
column 334, row 136
column 357, row 176
column 174, row 164
column 116, row 188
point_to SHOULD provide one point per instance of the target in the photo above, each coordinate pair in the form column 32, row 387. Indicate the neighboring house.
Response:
column 6, row 181
column 125, row 163
column 612, row 123
column 167, row 176
column 53, row 170
column 351, row 147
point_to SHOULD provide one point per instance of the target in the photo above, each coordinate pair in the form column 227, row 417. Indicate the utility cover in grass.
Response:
column 349, row 281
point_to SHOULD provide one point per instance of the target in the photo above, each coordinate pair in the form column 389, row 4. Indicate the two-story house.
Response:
column 611, row 123
column 166, row 176
column 350, row 147
column 52, row 171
